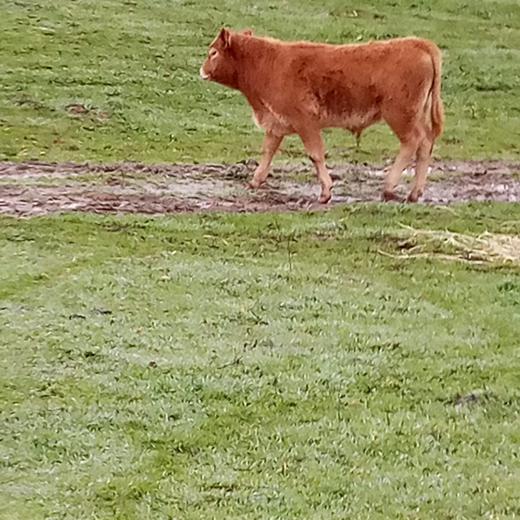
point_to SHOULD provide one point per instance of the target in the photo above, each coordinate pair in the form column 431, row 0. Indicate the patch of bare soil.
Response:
column 36, row 188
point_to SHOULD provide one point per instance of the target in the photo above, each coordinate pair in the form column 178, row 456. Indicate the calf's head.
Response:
column 221, row 64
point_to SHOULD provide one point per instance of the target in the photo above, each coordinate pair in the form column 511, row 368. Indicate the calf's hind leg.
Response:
column 409, row 145
column 406, row 154
column 424, row 153
column 269, row 148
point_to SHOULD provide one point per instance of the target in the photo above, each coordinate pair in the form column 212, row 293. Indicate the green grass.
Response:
column 138, row 62
column 249, row 366
column 256, row 366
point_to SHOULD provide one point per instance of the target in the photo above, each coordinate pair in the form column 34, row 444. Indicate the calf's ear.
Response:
column 225, row 37
column 247, row 32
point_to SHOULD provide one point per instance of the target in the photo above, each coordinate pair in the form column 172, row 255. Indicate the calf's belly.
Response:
column 354, row 120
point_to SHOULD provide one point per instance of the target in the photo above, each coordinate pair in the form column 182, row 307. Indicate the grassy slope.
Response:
column 139, row 61
column 266, row 366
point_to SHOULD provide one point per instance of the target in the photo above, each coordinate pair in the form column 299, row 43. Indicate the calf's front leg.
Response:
column 269, row 148
column 313, row 143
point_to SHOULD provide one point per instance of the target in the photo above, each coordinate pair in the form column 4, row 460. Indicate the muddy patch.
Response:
column 36, row 188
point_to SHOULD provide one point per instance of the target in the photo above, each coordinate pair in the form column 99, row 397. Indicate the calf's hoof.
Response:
column 325, row 197
column 389, row 196
column 413, row 197
column 254, row 185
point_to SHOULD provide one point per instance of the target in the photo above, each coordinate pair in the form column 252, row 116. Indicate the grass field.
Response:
column 133, row 65
column 257, row 366
column 356, row 363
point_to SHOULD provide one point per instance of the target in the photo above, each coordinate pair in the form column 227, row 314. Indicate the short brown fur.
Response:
column 301, row 87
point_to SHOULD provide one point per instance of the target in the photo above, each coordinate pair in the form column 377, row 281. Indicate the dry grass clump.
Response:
column 478, row 249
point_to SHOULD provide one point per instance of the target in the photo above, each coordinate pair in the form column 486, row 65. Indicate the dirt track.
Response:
column 29, row 189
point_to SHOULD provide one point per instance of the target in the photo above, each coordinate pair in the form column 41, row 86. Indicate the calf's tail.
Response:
column 437, row 107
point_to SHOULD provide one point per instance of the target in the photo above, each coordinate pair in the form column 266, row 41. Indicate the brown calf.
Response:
column 304, row 87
